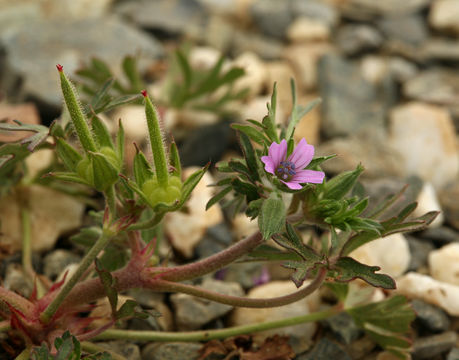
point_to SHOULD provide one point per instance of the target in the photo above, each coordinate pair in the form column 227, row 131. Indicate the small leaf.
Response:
column 249, row 155
column 349, row 269
column 269, row 121
column 267, row 252
column 252, row 133
column 245, row 188
column 141, row 169
column 101, row 97
column 105, row 174
column 386, row 322
column 101, row 132
column 121, row 100
column 319, row 160
column 272, row 216
column 120, row 141
column 303, row 269
column 175, row 159
column 190, row 183
column 129, row 66
column 217, row 197
column 341, row 184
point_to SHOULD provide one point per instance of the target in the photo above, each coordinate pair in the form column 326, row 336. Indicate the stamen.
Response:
column 286, row 170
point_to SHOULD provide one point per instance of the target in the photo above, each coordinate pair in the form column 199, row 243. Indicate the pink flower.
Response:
column 291, row 170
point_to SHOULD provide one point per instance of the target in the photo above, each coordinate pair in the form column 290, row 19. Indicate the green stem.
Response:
column 205, row 335
column 26, row 242
column 110, row 200
column 27, row 249
column 156, row 141
column 84, row 264
column 147, row 224
column 167, row 286
column 93, row 348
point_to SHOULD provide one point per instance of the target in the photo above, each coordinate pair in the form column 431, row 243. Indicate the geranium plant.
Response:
column 277, row 182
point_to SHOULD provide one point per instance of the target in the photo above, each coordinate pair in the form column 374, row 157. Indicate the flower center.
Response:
column 285, row 170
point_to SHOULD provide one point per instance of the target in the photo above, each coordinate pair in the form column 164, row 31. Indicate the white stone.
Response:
column 280, row 72
column 204, row 57
column 307, row 29
column 435, row 292
column 52, row 213
column 309, row 125
column 444, row 15
column 185, row 229
column 444, row 264
column 244, row 316
column 38, row 161
column 424, row 135
column 304, row 59
column 255, row 73
column 133, row 120
column 391, row 253
column 428, row 201
column 243, row 226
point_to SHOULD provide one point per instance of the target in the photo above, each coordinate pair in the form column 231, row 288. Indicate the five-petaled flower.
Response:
column 290, row 170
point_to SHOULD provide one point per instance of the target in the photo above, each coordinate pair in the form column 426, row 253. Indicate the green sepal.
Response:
column 319, row 160
column 141, row 169
column 120, row 142
column 174, row 159
column 341, row 184
column 69, row 156
column 105, row 174
column 101, row 132
column 272, row 216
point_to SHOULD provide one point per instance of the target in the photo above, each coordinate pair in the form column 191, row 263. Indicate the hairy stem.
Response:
column 110, row 199
column 211, row 263
column 167, row 286
column 205, row 335
column 68, row 286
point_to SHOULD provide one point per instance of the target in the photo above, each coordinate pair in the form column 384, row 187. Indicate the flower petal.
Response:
column 302, row 155
column 278, row 152
column 292, row 185
column 309, row 176
column 269, row 164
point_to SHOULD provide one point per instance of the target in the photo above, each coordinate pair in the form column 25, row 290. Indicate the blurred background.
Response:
column 386, row 71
